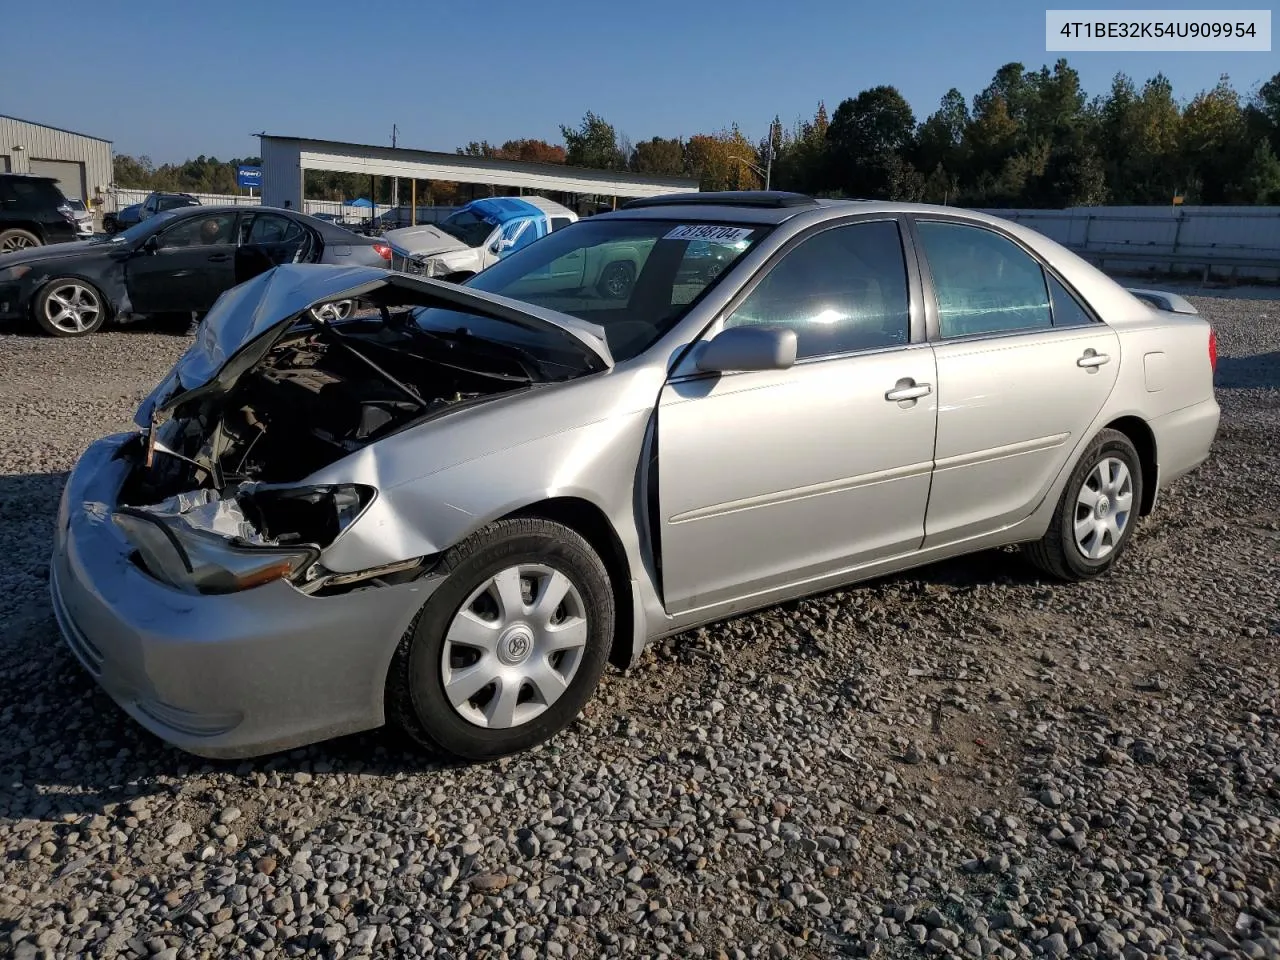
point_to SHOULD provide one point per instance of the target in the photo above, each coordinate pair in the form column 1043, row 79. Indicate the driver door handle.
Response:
column 908, row 389
column 1092, row 358
column 219, row 257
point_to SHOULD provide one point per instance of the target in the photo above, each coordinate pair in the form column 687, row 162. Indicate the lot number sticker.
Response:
column 710, row 233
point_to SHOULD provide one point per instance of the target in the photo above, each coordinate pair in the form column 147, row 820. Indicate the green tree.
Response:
column 867, row 133
column 659, row 157
column 940, row 140
column 1261, row 180
column 594, row 144
column 1214, row 145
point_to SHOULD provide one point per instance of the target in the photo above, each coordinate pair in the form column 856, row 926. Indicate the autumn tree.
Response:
column 720, row 160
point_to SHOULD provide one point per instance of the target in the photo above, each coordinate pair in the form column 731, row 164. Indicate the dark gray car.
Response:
column 178, row 261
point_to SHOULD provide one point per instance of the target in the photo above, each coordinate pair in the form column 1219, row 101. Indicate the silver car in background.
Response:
column 453, row 508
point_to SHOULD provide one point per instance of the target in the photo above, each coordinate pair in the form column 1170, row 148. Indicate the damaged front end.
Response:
column 217, row 499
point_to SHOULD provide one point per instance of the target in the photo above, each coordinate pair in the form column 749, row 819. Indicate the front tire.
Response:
column 69, row 307
column 508, row 650
column 1096, row 514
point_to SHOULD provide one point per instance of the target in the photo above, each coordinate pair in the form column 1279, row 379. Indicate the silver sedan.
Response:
column 454, row 507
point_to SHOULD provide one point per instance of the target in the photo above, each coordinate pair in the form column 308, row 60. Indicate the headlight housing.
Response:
column 202, row 543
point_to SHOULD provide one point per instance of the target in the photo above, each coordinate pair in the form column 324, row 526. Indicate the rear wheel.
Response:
column 17, row 239
column 505, row 654
column 1096, row 514
column 68, row 307
column 616, row 280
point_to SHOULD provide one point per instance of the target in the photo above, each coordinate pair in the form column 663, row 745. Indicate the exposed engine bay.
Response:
column 322, row 392
column 213, row 503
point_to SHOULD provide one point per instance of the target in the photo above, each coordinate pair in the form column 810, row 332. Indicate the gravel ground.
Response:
column 960, row 761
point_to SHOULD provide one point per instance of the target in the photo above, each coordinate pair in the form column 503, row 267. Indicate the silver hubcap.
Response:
column 72, row 308
column 1103, row 507
column 15, row 243
column 514, row 646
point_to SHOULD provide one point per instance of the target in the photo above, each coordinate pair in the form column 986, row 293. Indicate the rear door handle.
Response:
column 908, row 389
column 1092, row 359
column 219, row 257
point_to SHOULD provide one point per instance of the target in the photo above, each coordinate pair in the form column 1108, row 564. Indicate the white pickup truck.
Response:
column 474, row 237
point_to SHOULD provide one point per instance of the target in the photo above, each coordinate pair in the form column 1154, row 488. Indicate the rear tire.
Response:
column 548, row 660
column 17, row 239
column 1096, row 514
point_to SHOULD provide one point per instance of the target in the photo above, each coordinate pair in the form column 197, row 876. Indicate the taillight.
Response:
column 382, row 250
column 1213, row 350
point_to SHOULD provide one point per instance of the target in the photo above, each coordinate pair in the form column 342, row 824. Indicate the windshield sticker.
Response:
column 709, row 232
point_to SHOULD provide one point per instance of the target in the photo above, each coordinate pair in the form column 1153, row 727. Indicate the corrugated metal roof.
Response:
column 531, row 166
column 47, row 126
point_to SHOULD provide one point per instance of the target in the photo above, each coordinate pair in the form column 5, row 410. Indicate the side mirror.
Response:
column 748, row 348
column 151, row 244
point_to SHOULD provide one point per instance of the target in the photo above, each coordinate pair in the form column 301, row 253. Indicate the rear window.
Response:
column 32, row 193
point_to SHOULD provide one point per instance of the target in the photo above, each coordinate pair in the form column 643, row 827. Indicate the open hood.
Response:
column 423, row 240
column 248, row 319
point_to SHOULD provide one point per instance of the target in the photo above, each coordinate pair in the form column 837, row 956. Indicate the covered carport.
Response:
column 285, row 161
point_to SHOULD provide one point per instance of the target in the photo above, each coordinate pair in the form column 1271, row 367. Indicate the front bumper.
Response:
column 226, row 676
column 13, row 299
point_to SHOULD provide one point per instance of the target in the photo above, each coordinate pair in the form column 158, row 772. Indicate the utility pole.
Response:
column 395, row 181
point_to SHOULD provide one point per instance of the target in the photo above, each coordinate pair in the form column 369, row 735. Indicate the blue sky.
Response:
column 175, row 79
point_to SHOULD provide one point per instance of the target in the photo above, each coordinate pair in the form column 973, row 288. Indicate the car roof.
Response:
column 29, row 176
column 505, row 209
column 770, row 207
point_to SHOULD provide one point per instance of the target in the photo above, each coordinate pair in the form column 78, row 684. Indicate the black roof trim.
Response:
column 770, row 199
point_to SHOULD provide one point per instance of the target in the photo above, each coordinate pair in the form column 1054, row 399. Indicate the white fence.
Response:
column 1237, row 241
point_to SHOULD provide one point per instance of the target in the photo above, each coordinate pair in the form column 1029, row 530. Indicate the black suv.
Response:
column 155, row 203
column 33, row 212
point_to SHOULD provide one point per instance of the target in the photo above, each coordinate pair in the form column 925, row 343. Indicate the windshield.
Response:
column 468, row 226
column 634, row 278
column 140, row 230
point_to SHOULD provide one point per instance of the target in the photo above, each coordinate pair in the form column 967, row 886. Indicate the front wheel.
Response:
column 69, row 307
column 505, row 654
column 1096, row 514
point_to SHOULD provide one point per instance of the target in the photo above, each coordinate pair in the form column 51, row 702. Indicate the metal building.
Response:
column 285, row 160
column 81, row 163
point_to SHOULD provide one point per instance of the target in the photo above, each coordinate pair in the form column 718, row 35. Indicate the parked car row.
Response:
column 156, row 202
column 452, row 511
column 174, row 261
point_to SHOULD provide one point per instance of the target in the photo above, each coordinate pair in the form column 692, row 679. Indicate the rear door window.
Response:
column 984, row 282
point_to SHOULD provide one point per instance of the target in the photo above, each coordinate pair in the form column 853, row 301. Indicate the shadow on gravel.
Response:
column 172, row 324
column 66, row 749
column 1246, row 373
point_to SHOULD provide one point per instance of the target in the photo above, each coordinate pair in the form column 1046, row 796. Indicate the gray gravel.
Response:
column 961, row 761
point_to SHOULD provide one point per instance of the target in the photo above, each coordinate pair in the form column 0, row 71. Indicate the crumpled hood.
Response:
column 246, row 321
column 423, row 241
